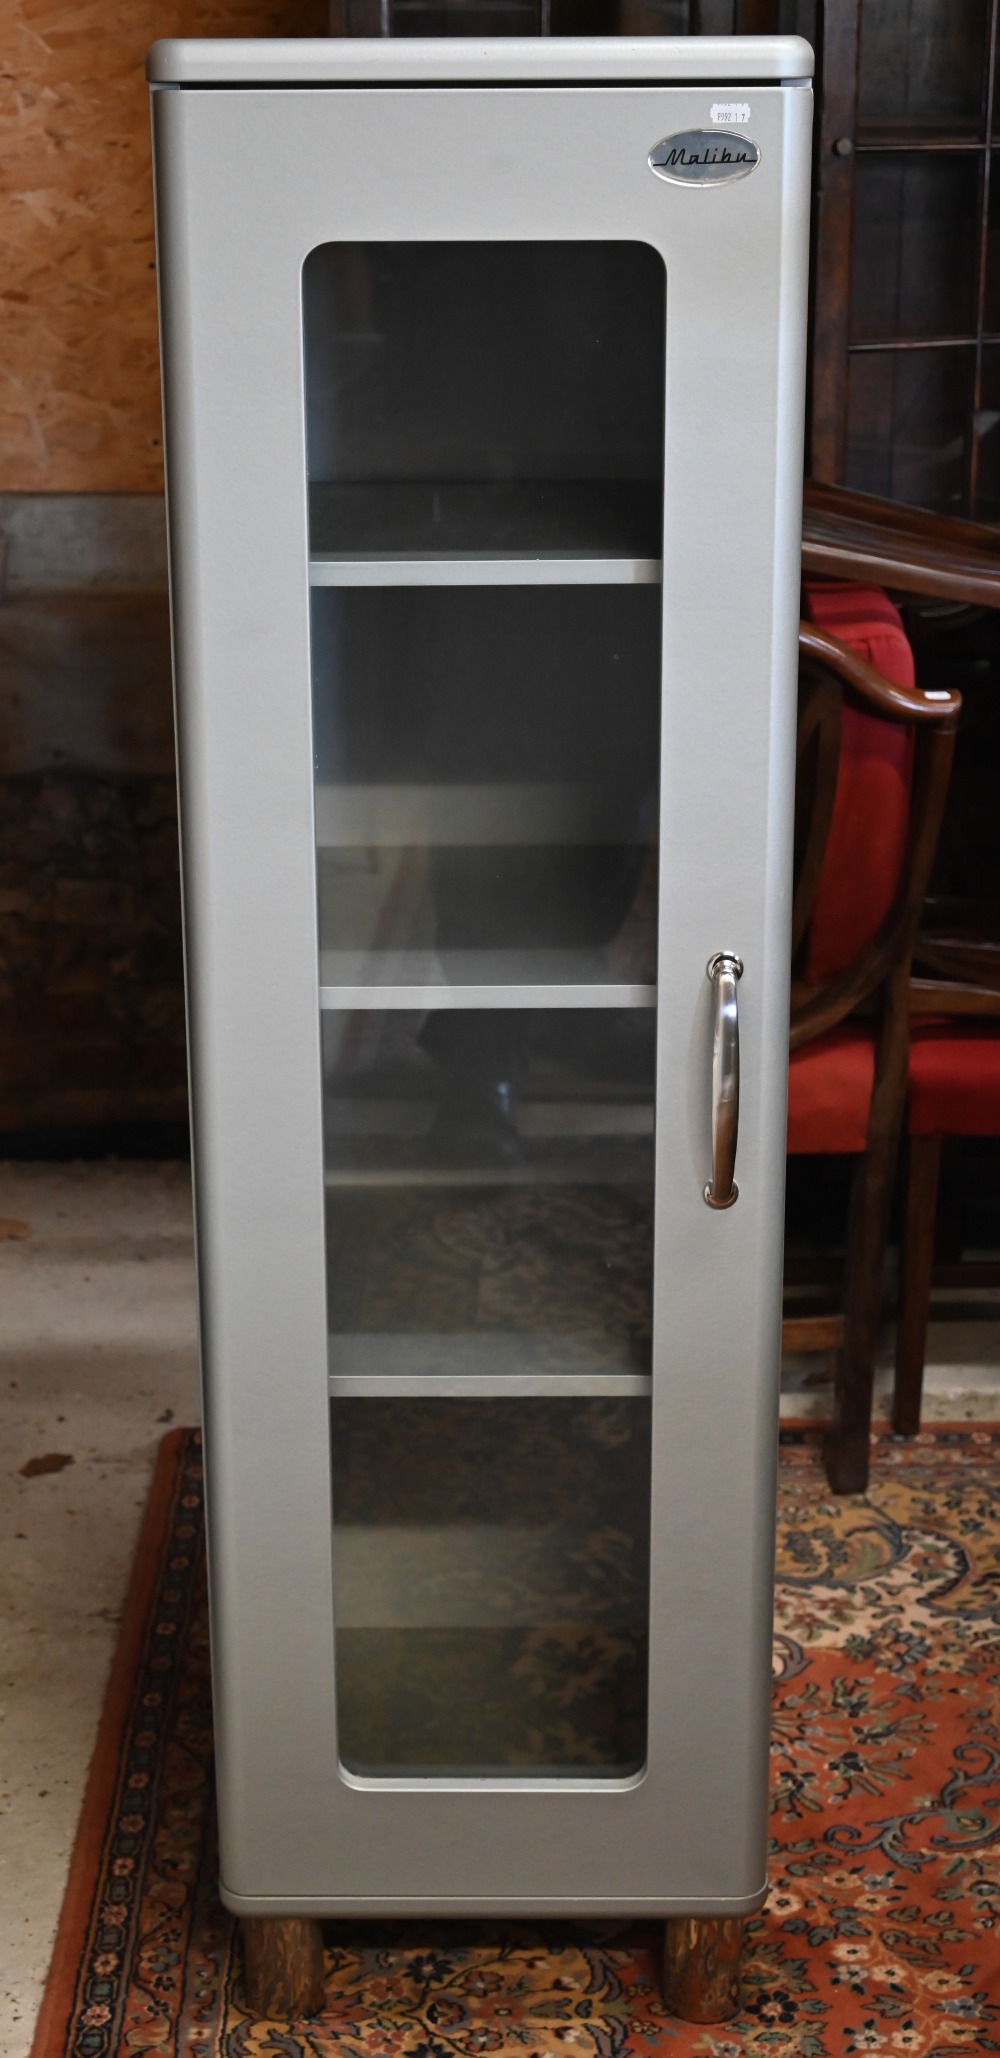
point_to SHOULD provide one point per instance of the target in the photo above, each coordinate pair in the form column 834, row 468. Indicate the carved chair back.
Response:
column 873, row 763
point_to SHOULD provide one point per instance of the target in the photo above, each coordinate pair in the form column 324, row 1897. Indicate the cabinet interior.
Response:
column 485, row 432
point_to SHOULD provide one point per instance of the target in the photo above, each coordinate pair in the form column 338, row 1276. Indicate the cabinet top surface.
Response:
column 718, row 61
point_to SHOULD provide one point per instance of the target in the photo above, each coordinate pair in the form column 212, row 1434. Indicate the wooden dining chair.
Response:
column 874, row 758
column 953, row 1090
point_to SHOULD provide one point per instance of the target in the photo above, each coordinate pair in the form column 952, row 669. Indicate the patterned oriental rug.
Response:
column 882, row 1928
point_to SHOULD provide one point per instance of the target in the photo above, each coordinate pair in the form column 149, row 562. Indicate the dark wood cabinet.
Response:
column 906, row 294
column 570, row 17
column 905, row 331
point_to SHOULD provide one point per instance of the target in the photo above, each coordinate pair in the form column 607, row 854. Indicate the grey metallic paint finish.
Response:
column 248, row 183
column 572, row 60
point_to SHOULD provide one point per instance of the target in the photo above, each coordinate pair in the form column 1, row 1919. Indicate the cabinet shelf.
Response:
column 397, row 1144
column 420, row 979
column 542, row 533
column 609, row 1165
column 513, row 1386
column 470, row 1367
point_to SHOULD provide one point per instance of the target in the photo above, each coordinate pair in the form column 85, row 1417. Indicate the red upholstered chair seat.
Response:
column 954, row 1081
column 830, row 1092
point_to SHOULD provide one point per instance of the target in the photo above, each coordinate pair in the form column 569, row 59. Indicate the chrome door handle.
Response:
column 724, row 970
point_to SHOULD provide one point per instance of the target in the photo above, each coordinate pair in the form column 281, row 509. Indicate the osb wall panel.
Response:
column 79, row 377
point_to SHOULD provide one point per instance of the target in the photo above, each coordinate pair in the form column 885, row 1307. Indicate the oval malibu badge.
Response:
column 703, row 157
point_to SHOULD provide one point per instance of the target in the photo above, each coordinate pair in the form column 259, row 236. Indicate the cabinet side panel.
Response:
column 244, row 748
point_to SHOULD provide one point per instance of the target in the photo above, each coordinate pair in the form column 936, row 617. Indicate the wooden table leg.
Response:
column 701, row 1966
column 282, row 1965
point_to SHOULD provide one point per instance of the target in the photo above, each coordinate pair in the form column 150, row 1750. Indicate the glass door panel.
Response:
column 987, row 507
column 499, row 362
column 991, row 307
column 485, row 438
column 491, row 1586
column 487, row 775
column 922, row 66
column 485, row 442
column 908, row 414
column 490, row 1196
column 915, row 245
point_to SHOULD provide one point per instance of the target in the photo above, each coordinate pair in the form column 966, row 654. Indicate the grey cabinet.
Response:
column 484, row 372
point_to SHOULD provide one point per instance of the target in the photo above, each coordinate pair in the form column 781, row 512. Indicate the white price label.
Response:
column 729, row 114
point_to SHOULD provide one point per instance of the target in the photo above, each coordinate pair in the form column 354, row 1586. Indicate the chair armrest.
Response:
column 940, row 707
